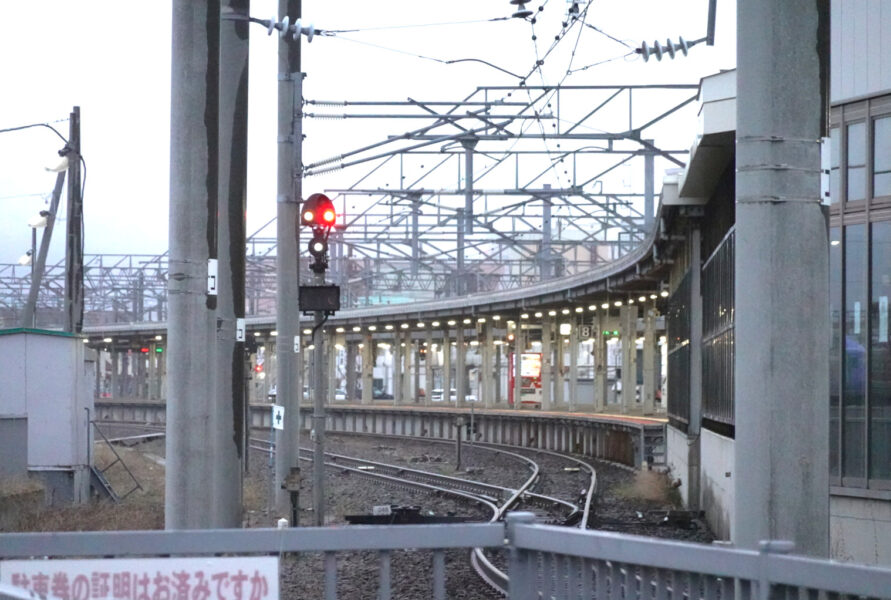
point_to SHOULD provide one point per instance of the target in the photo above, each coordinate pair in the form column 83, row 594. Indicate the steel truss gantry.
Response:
column 508, row 187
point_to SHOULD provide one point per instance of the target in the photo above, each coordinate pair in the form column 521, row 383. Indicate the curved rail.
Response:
column 400, row 482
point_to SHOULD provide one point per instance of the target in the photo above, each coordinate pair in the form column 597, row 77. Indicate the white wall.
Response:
column 717, row 482
column 860, row 530
column 677, row 459
column 861, row 48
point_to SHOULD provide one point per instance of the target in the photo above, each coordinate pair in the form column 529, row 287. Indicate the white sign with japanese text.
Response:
column 208, row 578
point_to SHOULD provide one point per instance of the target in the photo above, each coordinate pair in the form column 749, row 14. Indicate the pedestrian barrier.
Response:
column 543, row 561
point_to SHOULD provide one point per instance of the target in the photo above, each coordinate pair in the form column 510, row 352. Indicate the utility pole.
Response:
column 287, row 265
column 229, row 398
column 192, row 282
column 74, row 250
column 782, row 276
column 29, row 316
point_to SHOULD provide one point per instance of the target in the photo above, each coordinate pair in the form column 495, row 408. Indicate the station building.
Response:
column 699, row 202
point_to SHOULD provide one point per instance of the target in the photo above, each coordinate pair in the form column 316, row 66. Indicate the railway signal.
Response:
column 319, row 213
column 322, row 300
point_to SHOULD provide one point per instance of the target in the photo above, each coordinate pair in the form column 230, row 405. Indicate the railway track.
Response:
column 496, row 499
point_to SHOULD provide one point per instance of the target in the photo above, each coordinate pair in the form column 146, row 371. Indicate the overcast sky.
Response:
column 112, row 58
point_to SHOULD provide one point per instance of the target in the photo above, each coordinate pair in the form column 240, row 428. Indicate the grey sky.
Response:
column 113, row 59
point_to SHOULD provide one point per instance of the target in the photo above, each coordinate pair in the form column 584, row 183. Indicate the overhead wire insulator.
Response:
column 325, row 162
column 310, row 173
column 522, row 12
column 670, row 49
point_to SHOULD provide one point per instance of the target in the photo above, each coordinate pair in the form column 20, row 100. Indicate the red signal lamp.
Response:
column 258, row 369
column 318, row 211
column 144, row 350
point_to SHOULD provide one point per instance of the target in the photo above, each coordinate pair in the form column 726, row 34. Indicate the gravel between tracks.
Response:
column 618, row 507
column 616, row 510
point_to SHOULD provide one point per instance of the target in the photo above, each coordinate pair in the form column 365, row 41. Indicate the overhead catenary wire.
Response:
column 413, row 26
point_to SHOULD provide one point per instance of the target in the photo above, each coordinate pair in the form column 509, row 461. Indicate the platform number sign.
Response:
column 278, row 416
column 585, row 331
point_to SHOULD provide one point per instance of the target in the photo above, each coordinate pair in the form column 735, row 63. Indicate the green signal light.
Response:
column 615, row 333
column 159, row 350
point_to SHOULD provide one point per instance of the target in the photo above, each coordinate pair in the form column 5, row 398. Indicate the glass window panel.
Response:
column 854, row 375
column 881, row 180
column 880, row 354
column 834, row 174
column 835, row 291
column 856, row 162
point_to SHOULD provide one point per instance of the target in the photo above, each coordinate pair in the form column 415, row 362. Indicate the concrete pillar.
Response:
column 152, row 373
column 781, row 270
column 559, row 364
column 367, row 368
column 396, row 351
column 115, row 360
column 574, row 365
column 487, row 348
column 498, row 395
column 446, row 366
column 628, row 333
column 518, row 347
column 408, row 396
column 600, row 362
column 428, row 367
column 162, row 376
column 649, row 361
column 191, row 469
column 351, row 356
column 460, row 366
column 331, row 357
column 547, row 362
column 126, row 379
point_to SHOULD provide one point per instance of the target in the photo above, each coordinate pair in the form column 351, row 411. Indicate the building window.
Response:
column 835, row 304
column 854, row 373
column 856, row 162
column 881, row 157
column 834, row 175
column 859, row 293
column 880, row 355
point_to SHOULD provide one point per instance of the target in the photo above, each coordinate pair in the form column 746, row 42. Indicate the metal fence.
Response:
column 678, row 323
column 717, row 333
column 544, row 561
